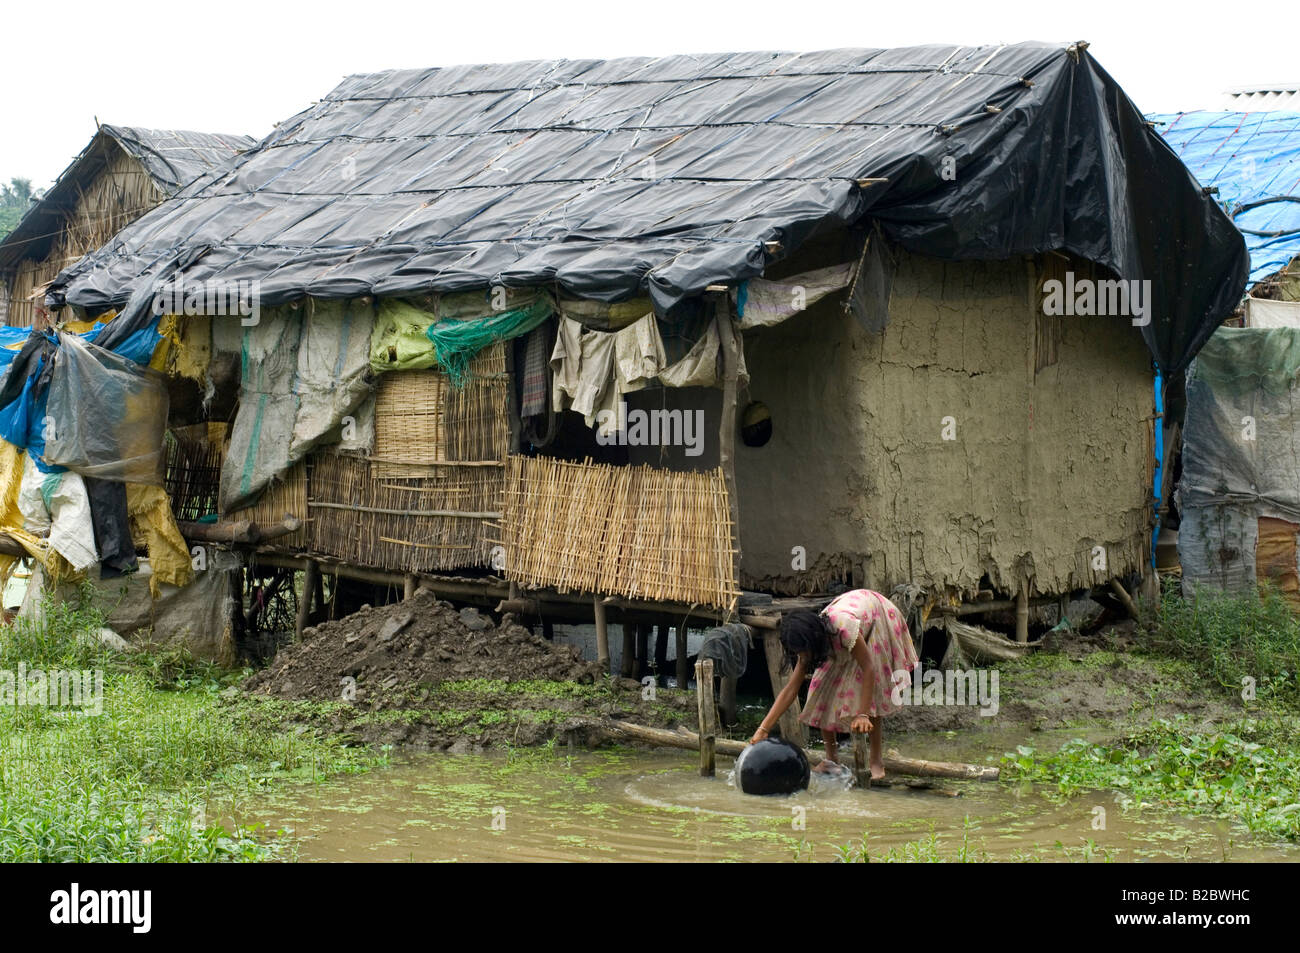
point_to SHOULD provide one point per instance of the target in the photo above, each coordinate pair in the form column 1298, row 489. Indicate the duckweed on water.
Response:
column 1246, row 771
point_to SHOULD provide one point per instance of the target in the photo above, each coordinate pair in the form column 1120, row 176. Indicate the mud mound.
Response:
column 419, row 642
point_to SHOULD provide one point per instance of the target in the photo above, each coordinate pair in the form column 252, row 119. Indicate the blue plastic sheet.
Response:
column 1249, row 158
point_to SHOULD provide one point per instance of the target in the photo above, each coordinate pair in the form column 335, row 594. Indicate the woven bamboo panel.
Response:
column 193, row 477
column 639, row 532
column 403, row 524
column 287, row 497
column 421, row 421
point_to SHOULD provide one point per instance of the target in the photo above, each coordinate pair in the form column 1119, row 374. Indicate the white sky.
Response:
column 238, row 67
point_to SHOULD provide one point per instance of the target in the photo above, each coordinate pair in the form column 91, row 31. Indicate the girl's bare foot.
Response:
column 826, row 767
column 877, row 770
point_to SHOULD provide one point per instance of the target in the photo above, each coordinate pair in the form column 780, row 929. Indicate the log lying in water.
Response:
column 894, row 762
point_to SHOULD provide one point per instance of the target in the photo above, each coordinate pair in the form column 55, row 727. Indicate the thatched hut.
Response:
column 650, row 331
column 121, row 174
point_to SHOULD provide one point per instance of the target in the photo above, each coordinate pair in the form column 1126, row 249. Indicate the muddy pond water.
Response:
column 637, row 805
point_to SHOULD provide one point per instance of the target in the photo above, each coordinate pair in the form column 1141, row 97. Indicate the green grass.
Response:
column 137, row 782
column 1233, row 641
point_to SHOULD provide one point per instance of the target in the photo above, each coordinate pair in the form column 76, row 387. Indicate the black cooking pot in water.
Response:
column 772, row 766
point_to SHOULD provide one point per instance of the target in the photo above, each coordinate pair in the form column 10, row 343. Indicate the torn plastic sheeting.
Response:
column 199, row 617
column 57, row 505
column 333, row 376
column 1240, row 442
column 761, row 303
column 539, row 174
column 1216, row 547
column 268, row 409
column 304, row 371
column 107, row 415
column 1267, row 313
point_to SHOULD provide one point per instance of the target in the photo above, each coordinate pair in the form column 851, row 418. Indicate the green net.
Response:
column 456, row 342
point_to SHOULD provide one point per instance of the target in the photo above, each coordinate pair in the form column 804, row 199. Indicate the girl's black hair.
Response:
column 803, row 630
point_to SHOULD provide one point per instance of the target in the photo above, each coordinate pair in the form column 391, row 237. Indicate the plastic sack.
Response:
column 106, row 415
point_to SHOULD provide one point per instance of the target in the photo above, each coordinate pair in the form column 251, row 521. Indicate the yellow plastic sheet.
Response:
column 154, row 526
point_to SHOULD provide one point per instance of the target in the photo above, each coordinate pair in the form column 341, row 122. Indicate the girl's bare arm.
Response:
column 784, row 699
column 862, row 655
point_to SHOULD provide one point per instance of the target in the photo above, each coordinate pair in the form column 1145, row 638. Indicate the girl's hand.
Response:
column 758, row 736
column 861, row 723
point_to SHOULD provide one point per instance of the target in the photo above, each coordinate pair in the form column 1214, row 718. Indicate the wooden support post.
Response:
column 708, row 715
column 683, row 676
column 1022, row 612
column 727, row 700
column 515, row 424
column 661, row 653
column 862, row 759
column 628, row 662
column 730, row 349
column 309, row 576
column 409, row 585
column 791, row 730
column 602, row 634
column 642, row 651
column 1122, row 595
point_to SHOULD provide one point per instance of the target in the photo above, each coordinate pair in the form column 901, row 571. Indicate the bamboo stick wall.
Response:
column 286, row 497
column 639, row 532
column 403, row 524
column 441, row 485
column 119, row 194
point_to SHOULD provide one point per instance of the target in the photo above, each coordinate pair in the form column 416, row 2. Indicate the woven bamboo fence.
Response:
column 284, row 497
column 421, row 421
column 639, row 532
column 403, row 524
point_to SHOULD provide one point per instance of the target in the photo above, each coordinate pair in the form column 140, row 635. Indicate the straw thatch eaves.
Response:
column 664, row 176
column 122, row 173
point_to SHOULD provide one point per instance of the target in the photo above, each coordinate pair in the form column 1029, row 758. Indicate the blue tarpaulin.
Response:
column 1250, row 158
column 22, row 420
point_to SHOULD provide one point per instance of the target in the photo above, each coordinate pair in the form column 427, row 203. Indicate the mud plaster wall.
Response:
column 1044, row 467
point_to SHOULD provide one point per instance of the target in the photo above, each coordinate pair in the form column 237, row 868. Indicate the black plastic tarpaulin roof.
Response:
column 614, row 178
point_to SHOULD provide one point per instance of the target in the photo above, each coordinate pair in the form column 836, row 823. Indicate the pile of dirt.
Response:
column 421, row 641
column 423, row 674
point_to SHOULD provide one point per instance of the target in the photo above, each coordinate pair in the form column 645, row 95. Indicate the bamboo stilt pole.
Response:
column 629, row 650
column 1125, row 599
column 1022, row 612
column 727, row 700
column 310, row 574
column 602, row 634
column 683, row 676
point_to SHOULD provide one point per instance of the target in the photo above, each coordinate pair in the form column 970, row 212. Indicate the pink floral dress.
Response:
column 836, row 689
